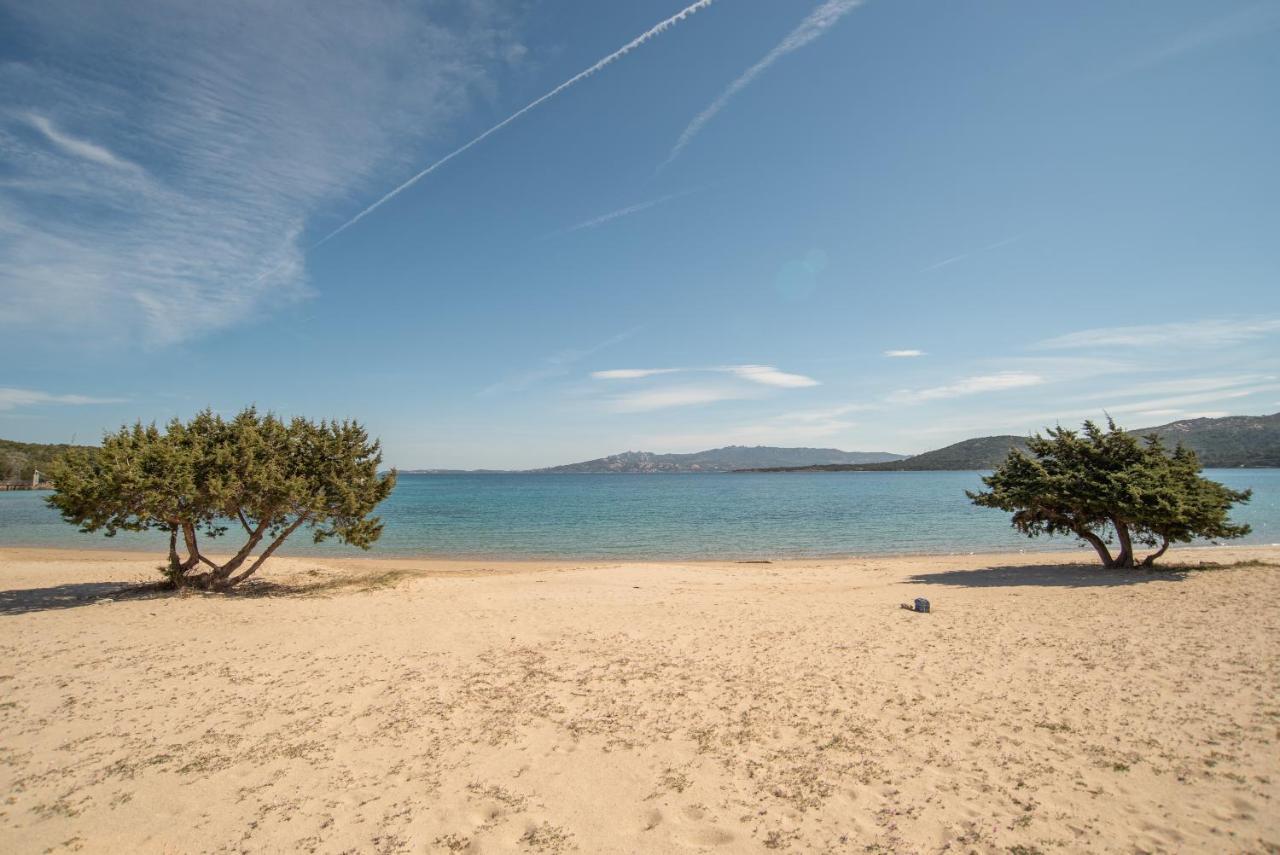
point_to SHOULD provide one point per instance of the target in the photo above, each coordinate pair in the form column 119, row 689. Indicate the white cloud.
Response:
column 13, row 398
column 632, row 373
column 248, row 123
column 746, row 383
column 1180, row 401
column 1218, row 383
column 675, row 396
column 767, row 375
column 812, row 27
column 903, row 354
column 79, row 147
column 969, row 386
column 1202, row 333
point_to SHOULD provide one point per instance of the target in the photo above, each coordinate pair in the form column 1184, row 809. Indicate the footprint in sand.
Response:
column 710, row 836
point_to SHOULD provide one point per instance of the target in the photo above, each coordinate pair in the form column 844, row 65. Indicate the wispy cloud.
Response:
column 767, row 375
column 811, row 28
column 78, row 147
column 1182, row 401
column 632, row 373
column 737, row 382
column 903, row 354
column 156, row 195
column 969, row 386
column 14, row 398
column 1181, row 385
column 618, row 54
column 1241, row 23
column 675, row 396
column 1201, row 333
column 556, row 365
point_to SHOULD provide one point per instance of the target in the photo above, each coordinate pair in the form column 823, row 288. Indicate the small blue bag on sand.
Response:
column 922, row 605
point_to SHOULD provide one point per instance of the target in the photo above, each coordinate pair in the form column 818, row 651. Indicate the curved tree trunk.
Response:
column 1150, row 560
column 266, row 553
column 220, row 574
column 1098, row 544
column 1125, row 558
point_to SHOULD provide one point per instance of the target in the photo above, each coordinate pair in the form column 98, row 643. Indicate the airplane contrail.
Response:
column 616, row 55
column 818, row 22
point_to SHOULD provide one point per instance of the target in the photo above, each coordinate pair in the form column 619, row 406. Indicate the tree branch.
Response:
column 1150, row 560
column 266, row 553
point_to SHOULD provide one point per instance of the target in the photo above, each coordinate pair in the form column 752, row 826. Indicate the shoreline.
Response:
column 1064, row 557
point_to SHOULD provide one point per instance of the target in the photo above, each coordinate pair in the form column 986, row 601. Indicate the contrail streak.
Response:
column 622, row 212
column 818, row 22
column 616, row 55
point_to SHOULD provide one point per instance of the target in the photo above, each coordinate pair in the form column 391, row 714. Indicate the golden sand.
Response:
column 454, row 706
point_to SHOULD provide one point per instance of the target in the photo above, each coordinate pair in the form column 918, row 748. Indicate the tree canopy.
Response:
column 208, row 476
column 1109, row 487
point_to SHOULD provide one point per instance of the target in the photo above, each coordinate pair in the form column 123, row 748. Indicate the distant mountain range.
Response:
column 1227, row 442
column 727, row 459
column 1221, row 443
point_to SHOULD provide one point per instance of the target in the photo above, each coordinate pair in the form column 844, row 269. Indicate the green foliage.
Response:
column 19, row 460
column 1100, row 484
column 208, row 475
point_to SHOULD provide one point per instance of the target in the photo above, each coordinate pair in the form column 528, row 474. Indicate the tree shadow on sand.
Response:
column 71, row 596
column 1068, row 575
column 26, row 600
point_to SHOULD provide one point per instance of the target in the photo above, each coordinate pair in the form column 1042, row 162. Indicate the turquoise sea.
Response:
column 667, row 516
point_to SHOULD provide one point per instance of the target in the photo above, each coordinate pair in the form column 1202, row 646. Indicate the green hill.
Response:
column 19, row 459
column 1222, row 443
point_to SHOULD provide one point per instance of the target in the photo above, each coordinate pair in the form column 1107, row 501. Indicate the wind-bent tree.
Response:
column 1107, row 486
column 210, row 475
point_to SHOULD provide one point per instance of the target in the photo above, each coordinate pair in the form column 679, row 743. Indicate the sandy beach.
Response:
column 464, row 706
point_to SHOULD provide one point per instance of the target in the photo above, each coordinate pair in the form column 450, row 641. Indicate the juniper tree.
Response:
column 1104, row 484
column 209, row 476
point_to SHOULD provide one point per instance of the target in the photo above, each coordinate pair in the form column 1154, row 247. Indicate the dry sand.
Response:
column 664, row 707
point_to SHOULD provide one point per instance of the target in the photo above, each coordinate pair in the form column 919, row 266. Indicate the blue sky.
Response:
column 886, row 225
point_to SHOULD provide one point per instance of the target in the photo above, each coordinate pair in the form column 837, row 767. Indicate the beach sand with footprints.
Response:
column 471, row 706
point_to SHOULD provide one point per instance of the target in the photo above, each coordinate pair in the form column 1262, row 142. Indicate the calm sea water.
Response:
column 668, row 516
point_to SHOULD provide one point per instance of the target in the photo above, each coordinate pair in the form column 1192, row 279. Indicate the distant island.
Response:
column 1222, row 443
column 1228, row 442
column 731, row 458
column 727, row 459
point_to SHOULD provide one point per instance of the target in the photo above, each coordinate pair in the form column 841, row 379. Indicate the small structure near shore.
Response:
column 34, row 484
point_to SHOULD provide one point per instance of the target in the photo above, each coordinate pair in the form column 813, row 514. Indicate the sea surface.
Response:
column 685, row 516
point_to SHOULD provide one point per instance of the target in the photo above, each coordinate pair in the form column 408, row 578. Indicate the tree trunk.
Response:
column 175, row 562
column 266, row 553
column 1150, row 560
column 255, row 537
column 1097, row 543
column 193, row 550
column 1125, row 559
